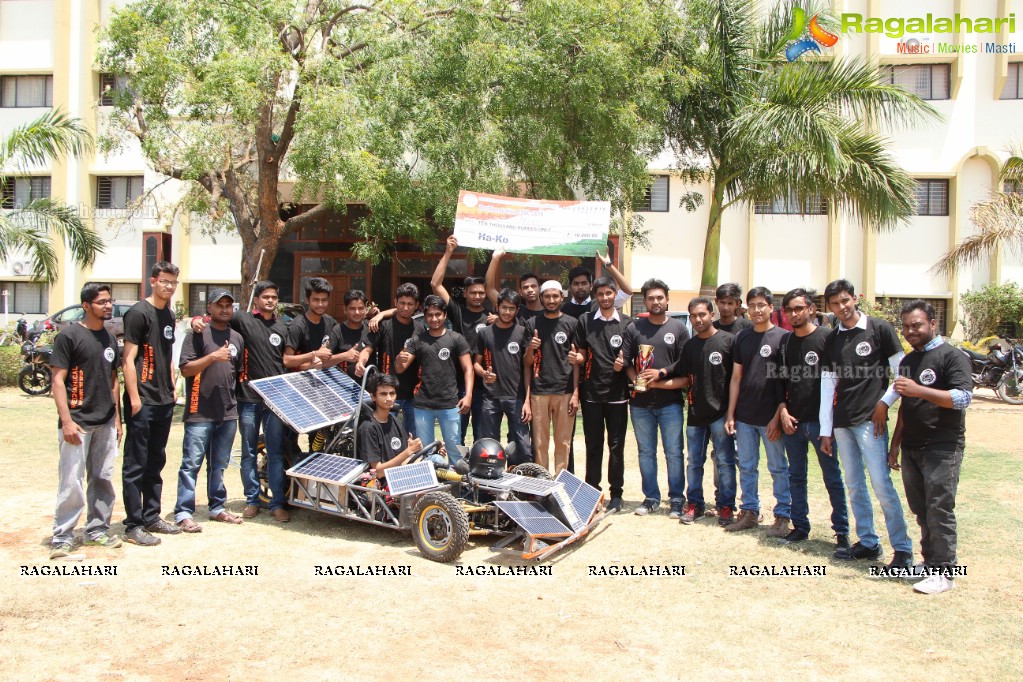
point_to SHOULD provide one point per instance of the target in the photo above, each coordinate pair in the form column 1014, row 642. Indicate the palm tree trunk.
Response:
column 712, row 246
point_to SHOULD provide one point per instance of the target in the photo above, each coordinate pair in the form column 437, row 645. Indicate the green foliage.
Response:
column 180, row 310
column 886, row 309
column 991, row 306
column 10, row 365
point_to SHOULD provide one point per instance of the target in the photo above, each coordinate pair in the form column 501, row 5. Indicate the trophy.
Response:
column 645, row 359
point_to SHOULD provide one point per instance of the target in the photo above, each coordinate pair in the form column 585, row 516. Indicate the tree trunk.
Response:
column 712, row 246
column 252, row 269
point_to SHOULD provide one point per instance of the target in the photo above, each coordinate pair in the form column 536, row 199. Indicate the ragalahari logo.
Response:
column 806, row 36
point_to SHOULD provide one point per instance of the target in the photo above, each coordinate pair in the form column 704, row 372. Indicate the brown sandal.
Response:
column 226, row 517
column 189, row 526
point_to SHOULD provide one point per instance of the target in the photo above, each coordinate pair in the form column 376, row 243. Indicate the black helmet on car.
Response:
column 486, row 459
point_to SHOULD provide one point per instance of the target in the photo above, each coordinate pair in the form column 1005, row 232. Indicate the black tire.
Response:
column 533, row 471
column 35, row 380
column 441, row 527
column 1010, row 389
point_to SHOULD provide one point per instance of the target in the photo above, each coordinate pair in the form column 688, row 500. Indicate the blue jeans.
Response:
column 857, row 447
column 724, row 459
column 645, row 422
column 748, row 438
column 277, row 440
column 473, row 414
column 408, row 415
column 796, row 447
column 450, row 426
column 251, row 416
column 491, row 412
column 212, row 441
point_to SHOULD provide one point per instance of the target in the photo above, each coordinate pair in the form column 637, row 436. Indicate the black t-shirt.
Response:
column 343, row 338
column 552, row 372
column 602, row 340
column 667, row 340
column 466, row 322
column 210, row 394
column 708, row 364
column 90, row 358
column 760, row 390
column 263, row 354
column 859, row 358
column 392, row 338
column 801, row 357
column 736, row 326
column 381, row 442
column 924, row 424
column 439, row 366
column 502, row 351
column 305, row 336
column 577, row 310
column 525, row 314
column 152, row 330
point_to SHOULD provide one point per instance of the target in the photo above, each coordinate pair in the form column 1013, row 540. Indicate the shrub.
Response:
column 991, row 307
column 10, row 365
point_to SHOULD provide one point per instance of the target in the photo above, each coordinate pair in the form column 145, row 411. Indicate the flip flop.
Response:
column 226, row 517
column 189, row 526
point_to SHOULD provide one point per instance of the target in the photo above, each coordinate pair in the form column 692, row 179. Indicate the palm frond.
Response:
column 1012, row 169
column 1000, row 227
column 18, row 238
column 31, row 226
column 52, row 135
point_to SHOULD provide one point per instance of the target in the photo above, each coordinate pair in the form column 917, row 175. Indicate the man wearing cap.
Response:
column 553, row 394
column 210, row 362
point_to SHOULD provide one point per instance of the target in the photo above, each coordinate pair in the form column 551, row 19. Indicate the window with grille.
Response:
column 117, row 191
column 110, row 86
column 655, row 197
column 940, row 309
column 932, row 197
column 26, row 91
column 926, row 81
column 26, row 297
column 1013, row 88
column 18, row 192
column 791, row 205
column 199, row 293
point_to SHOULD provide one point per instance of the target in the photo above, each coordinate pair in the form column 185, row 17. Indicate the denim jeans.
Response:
column 450, row 423
column 473, row 414
column 797, row 446
column 858, row 448
column 931, row 478
column 251, row 416
column 491, row 413
column 408, row 415
column 724, row 459
column 212, row 441
column 748, row 438
column 278, row 439
column 645, row 422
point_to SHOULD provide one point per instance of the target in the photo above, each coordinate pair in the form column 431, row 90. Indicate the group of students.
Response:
column 522, row 364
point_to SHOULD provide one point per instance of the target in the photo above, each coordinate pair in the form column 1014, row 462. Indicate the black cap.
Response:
column 218, row 294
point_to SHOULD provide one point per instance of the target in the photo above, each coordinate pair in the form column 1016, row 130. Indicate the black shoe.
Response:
column 841, row 541
column 795, row 535
column 140, row 536
column 859, row 551
column 902, row 561
column 161, row 526
column 614, row 506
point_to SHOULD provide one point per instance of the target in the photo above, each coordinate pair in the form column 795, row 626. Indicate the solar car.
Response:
column 530, row 515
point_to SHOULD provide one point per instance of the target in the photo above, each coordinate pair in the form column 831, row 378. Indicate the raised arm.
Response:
column 493, row 276
column 437, row 281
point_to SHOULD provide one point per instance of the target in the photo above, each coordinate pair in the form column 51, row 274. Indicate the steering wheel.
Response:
column 427, row 450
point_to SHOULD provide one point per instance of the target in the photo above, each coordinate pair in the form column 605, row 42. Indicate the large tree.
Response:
column 758, row 128
column 394, row 103
column 30, row 228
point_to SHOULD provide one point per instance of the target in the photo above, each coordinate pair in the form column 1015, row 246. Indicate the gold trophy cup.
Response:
column 646, row 358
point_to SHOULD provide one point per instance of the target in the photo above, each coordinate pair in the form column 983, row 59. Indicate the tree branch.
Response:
column 302, row 219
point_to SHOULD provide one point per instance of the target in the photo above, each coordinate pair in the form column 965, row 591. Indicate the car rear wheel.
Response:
column 533, row 471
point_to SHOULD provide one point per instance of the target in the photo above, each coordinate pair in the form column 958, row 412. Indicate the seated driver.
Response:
column 383, row 441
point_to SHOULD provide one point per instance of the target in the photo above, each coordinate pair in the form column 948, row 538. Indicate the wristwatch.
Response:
column 661, row 374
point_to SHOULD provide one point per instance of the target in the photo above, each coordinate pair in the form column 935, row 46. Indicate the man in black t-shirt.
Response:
column 501, row 379
column 529, row 289
column 936, row 388
column 604, row 389
column 383, row 441
column 308, row 343
column 705, row 368
column 351, row 342
column 855, row 397
column 729, row 299
column 801, row 355
column 581, row 293
column 148, row 406
column 753, row 401
column 84, row 364
column 553, row 393
column 652, row 344
column 441, row 355
column 211, row 362
column 394, row 335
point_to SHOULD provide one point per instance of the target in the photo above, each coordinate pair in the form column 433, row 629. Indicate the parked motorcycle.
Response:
column 1001, row 370
column 35, row 377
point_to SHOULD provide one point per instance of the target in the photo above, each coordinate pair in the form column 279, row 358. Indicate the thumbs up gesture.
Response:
column 534, row 342
column 620, row 361
column 223, row 354
column 575, row 357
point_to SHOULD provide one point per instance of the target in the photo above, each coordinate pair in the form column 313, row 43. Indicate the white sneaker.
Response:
column 914, row 573
column 936, row 584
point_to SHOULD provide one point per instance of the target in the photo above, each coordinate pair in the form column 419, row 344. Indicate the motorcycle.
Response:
column 1000, row 370
column 35, row 377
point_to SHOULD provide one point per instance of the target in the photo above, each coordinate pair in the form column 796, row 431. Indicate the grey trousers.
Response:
column 931, row 478
column 93, row 461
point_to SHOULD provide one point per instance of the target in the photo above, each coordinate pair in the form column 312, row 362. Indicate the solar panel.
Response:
column 311, row 399
column 524, row 484
column 584, row 496
column 533, row 518
column 411, row 478
column 329, row 468
column 564, row 502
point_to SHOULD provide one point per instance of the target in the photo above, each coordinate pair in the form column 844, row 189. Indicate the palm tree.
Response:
column 759, row 128
column 30, row 229
column 999, row 222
